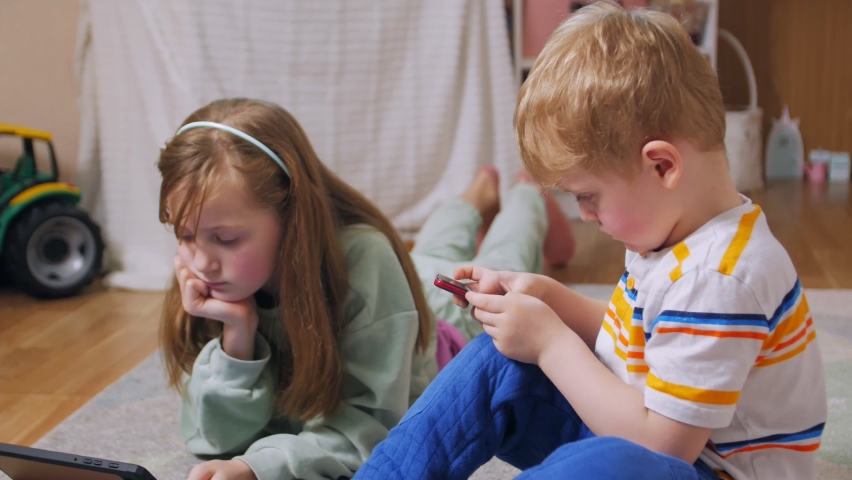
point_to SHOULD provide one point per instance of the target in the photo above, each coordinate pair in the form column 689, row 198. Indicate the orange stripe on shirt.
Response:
column 617, row 330
column 623, row 339
column 781, row 346
column 789, row 325
column 739, row 242
column 765, row 362
column 798, row 448
column 624, row 356
column 637, row 335
column 713, row 333
column 692, row 394
column 802, row 332
column 611, row 315
column 618, row 351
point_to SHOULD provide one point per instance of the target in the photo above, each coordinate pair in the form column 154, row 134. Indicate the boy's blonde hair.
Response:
column 607, row 82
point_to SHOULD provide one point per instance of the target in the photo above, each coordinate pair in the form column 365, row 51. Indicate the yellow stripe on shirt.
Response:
column 623, row 310
column 637, row 356
column 738, row 244
column 612, row 334
column 680, row 252
column 625, row 314
column 788, row 326
column 792, row 353
column 692, row 394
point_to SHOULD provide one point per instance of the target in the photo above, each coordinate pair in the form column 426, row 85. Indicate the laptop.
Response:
column 25, row 463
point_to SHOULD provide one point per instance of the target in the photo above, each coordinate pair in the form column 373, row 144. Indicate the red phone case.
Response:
column 454, row 289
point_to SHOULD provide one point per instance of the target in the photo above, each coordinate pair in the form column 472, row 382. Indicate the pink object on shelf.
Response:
column 816, row 172
column 541, row 17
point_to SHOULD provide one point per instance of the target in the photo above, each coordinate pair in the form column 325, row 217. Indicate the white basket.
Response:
column 742, row 130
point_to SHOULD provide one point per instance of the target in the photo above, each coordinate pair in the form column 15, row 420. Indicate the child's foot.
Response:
column 484, row 194
column 559, row 243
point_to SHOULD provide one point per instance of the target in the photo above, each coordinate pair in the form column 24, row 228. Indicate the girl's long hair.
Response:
column 312, row 206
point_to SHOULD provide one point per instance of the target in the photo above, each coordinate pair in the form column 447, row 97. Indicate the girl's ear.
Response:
column 664, row 161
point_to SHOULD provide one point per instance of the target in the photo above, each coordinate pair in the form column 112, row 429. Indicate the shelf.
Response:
column 707, row 51
column 707, row 46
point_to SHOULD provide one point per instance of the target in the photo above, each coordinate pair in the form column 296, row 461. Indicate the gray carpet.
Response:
column 136, row 419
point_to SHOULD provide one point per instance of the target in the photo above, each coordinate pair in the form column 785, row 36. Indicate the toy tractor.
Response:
column 49, row 248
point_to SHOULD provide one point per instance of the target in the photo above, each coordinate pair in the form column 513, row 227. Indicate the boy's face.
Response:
column 637, row 212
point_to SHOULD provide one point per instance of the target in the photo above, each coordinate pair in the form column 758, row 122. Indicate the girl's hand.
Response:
column 522, row 326
column 197, row 301
column 239, row 318
column 222, row 470
column 499, row 282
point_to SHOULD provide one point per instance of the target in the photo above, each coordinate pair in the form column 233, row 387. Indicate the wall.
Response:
column 802, row 57
column 801, row 51
column 37, row 87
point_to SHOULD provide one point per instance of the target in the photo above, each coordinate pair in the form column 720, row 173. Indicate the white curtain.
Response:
column 403, row 99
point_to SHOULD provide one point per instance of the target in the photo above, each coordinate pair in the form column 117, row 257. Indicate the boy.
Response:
column 704, row 365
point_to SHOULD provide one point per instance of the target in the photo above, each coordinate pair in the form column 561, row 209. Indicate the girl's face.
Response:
column 233, row 247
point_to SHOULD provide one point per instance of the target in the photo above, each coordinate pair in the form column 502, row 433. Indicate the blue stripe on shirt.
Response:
column 708, row 318
column 786, row 304
column 813, row 432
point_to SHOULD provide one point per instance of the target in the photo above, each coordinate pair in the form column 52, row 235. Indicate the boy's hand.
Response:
column 522, row 326
column 239, row 318
column 222, row 470
column 499, row 283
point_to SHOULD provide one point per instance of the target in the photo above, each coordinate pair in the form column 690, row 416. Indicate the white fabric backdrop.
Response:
column 403, row 99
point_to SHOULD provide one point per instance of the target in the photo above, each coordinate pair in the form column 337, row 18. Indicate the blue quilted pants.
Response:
column 483, row 404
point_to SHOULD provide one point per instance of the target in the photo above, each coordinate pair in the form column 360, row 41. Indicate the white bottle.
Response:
column 785, row 150
column 839, row 168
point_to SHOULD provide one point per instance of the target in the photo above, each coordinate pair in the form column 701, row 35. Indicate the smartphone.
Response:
column 453, row 286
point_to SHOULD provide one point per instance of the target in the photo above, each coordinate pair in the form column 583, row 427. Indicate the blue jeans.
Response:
column 484, row 404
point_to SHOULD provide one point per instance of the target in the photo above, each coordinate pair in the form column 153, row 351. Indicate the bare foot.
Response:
column 559, row 242
column 484, row 194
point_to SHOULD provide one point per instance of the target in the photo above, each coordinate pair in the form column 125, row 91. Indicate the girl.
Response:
column 297, row 330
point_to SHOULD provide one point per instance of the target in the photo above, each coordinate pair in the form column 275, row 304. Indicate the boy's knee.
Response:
column 481, row 354
column 482, row 346
column 606, row 444
column 623, row 450
column 481, row 342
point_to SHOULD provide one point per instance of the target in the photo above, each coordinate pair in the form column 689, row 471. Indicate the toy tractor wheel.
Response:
column 53, row 250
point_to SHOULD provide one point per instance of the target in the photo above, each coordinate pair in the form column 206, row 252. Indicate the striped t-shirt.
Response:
column 717, row 333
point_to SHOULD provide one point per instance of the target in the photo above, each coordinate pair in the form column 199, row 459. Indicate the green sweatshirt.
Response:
column 228, row 403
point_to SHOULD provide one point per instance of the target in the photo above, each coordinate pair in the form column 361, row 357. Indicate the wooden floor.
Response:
column 56, row 355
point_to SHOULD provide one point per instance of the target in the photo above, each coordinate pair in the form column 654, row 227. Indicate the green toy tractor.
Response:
column 49, row 248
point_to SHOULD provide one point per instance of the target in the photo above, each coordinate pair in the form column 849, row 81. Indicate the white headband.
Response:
column 240, row 134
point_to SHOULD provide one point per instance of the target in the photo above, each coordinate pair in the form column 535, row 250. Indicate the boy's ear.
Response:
column 664, row 161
